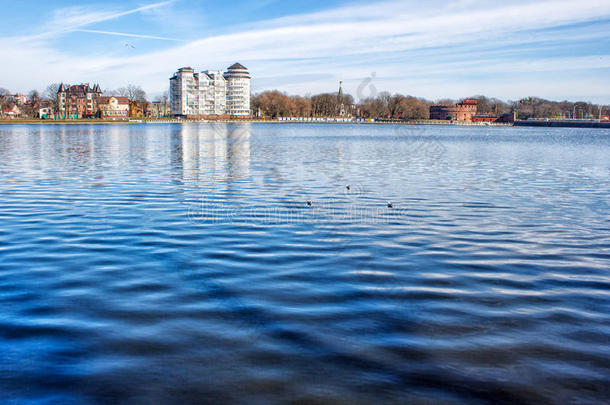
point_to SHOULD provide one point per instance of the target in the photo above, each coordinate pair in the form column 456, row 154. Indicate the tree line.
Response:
column 274, row 104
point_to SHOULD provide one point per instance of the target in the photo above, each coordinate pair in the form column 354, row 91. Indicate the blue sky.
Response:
column 556, row 49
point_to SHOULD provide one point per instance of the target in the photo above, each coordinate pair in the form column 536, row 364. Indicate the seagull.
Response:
column 390, row 205
column 309, row 203
column 128, row 45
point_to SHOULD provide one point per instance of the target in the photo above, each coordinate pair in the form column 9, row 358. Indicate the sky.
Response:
column 554, row 49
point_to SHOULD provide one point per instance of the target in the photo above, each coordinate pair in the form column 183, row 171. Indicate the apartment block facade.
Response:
column 238, row 90
column 79, row 101
column 210, row 93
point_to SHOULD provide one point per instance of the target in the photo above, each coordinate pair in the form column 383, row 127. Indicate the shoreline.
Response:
column 244, row 121
column 534, row 124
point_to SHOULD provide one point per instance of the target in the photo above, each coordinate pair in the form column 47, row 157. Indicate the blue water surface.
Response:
column 183, row 264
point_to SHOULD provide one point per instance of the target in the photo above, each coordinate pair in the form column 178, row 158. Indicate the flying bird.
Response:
column 128, row 45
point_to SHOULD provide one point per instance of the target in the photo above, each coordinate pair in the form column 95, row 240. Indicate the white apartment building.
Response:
column 238, row 90
column 210, row 92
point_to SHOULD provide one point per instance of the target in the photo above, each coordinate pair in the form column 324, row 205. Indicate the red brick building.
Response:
column 79, row 101
column 463, row 111
column 487, row 117
column 491, row 117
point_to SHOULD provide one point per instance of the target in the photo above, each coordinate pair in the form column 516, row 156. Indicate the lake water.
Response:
column 161, row 264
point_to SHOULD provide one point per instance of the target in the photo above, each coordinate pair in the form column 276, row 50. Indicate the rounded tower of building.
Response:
column 238, row 90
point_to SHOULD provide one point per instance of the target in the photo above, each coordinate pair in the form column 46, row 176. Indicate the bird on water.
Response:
column 309, row 203
column 390, row 205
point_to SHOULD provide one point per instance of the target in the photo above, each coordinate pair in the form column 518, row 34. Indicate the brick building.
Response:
column 463, row 111
column 494, row 118
column 79, row 101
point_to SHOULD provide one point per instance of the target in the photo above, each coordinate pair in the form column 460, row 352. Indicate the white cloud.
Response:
column 350, row 43
column 125, row 34
column 69, row 19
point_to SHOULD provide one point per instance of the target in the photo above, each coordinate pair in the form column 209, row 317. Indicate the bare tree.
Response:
column 50, row 93
column 325, row 105
column 412, row 108
column 110, row 92
column 374, row 108
column 395, row 104
column 5, row 100
column 164, row 100
column 274, row 104
column 31, row 107
column 133, row 92
column 302, row 105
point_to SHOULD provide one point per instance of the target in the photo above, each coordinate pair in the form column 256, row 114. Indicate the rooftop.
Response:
column 121, row 100
column 237, row 66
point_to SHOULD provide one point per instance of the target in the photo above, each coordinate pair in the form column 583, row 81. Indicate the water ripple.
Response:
column 182, row 263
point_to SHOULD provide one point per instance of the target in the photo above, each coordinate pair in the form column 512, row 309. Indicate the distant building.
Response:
column 11, row 112
column 20, row 99
column 494, row 118
column 485, row 117
column 341, row 101
column 136, row 109
column 46, row 109
column 210, row 93
column 507, row 118
column 79, row 101
column 113, row 107
column 158, row 109
column 463, row 111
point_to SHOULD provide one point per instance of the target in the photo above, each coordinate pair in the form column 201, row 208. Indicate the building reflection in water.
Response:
column 201, row 154
column 211, row 152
